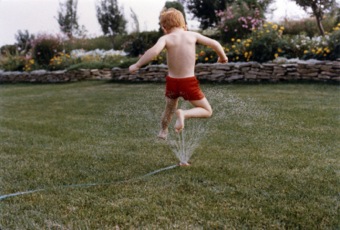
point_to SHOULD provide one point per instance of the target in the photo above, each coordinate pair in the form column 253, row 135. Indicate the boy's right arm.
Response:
column 215, row 45
column 149, row 55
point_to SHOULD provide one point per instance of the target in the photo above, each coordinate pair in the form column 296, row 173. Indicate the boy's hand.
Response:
column 133, row 68
column 222, row 60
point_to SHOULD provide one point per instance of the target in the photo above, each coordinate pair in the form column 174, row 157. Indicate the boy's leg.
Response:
column 170, row 108
column 202, row 109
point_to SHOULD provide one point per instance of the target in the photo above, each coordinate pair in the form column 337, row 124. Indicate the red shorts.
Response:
column 187, row 87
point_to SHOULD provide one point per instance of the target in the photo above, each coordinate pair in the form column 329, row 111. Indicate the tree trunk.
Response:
column 320, row 26
column 318, row 16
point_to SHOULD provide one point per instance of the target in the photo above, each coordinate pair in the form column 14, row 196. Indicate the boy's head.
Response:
column 172, row 18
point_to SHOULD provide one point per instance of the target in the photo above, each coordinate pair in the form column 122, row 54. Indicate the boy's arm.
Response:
column 215, row 45
column 149, row 55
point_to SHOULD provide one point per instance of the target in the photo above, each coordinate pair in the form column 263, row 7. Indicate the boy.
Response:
column 181, row 80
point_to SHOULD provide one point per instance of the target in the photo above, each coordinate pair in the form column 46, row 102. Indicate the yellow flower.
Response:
column 206, row 59
column 276, row 55
column 238, row 40
column 265, row 25
column 282, row 28
column 305, row 52
column 246, row 54
column 247, row 45
column 279, row 50
column 233, row 46
column 237, row 57
column 267, row 31
column 233, row 39
column 249, row 40
column 274, row 27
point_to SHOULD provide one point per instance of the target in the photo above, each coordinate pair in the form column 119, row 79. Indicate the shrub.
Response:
column 239, row 49
column 45, row 47
column 102, row 43
column 238, row 20
column 334, row 43
column 160, row 59
column 12, row 62
column 9, row 50
column 60, row 61
column 205, row 55
column 267, row 43
column 30, row 65
column 138, row 43
column 307, row 26
column 99, row 59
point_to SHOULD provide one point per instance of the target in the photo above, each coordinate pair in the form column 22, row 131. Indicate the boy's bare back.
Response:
column 180, row 46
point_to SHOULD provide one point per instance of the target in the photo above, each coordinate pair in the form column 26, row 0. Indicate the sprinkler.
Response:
column 183, row 164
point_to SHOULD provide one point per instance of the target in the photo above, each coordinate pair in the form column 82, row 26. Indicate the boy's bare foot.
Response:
column 163, row 134
column 180, row 120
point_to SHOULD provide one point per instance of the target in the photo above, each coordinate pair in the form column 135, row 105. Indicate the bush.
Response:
column 239, row 20
column 138, row 43
column 205, row 55
column 12, row 62
column 267, row 43
column 9, row 50
column 45, row 47
column 102, row 43
column 60, row 61
column 308, row 26
column 334, row 43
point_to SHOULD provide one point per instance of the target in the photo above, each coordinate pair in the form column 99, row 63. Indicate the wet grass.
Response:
column 267, row 159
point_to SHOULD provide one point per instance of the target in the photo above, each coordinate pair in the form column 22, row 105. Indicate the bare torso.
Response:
column 181, row 53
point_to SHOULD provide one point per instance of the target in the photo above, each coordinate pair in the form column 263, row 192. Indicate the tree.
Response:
column 319, row 8
column 177, row 6
column 241, row 17
column 24, row 40
column 135, row 21
column 67, row 17
column 205, row 10
column 112, row 22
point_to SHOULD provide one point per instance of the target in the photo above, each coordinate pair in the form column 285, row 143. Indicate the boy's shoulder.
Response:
column 184, row 33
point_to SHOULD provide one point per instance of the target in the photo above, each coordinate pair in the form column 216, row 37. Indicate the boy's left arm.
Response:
column 149, row 55
column 215, row 45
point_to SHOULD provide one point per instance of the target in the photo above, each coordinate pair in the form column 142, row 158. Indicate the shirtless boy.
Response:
column 181, row 80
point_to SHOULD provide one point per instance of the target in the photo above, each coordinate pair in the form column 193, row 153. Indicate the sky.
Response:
column 39, row 16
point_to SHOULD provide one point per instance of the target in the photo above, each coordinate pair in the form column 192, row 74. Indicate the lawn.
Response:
column 88, row 153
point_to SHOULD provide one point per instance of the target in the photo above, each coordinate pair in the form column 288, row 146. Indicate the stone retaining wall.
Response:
column 43, row 76
column 324, row 71
column 312, row 70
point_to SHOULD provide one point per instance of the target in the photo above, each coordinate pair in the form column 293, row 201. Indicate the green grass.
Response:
column 267, row 159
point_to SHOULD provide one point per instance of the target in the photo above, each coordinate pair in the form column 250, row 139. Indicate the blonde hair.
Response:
column 172, row 18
